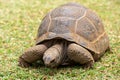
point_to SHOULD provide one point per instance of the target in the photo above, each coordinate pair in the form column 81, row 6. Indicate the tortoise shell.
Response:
column 76, row 23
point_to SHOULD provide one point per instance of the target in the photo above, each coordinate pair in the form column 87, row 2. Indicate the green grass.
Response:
column 19, row 21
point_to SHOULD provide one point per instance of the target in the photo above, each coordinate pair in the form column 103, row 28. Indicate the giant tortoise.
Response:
column 68, row 34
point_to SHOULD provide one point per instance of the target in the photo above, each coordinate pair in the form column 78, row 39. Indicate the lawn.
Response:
column 19, row 21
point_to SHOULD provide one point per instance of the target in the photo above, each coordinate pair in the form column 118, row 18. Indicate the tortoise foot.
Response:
column 88, row 65
column 23, row 63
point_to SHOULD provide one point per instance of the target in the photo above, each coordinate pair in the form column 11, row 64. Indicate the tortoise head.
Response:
column 51, row 59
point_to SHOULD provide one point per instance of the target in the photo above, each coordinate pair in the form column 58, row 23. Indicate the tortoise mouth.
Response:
column 51, row 64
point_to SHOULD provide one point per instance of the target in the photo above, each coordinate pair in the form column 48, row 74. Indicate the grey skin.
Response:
column 80, row 55
column 54, row 54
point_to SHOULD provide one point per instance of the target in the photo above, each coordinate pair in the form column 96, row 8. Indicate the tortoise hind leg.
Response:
column 97, row 56
column 32, row 54
column 80, row 55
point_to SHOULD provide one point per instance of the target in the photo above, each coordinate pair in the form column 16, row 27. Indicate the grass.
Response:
column 19, row 21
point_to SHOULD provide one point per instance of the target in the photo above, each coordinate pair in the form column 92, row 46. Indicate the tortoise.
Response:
column 68, row 34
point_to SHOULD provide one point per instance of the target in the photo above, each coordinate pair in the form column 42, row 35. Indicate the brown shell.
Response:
column 76, row 23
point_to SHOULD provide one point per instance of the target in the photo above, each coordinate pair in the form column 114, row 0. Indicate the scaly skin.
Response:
column 53, row 56
column 80, row 55
column 33, row 54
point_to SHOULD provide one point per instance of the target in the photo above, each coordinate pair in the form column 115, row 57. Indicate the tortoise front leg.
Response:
column 80, row 55
column 32, row 54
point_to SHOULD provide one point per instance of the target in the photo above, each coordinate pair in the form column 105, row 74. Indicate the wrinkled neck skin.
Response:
column 55, row 55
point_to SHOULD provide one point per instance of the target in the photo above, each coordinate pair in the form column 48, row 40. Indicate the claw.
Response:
column 23, row 63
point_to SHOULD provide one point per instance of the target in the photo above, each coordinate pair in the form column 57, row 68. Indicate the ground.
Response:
column 19, row 21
